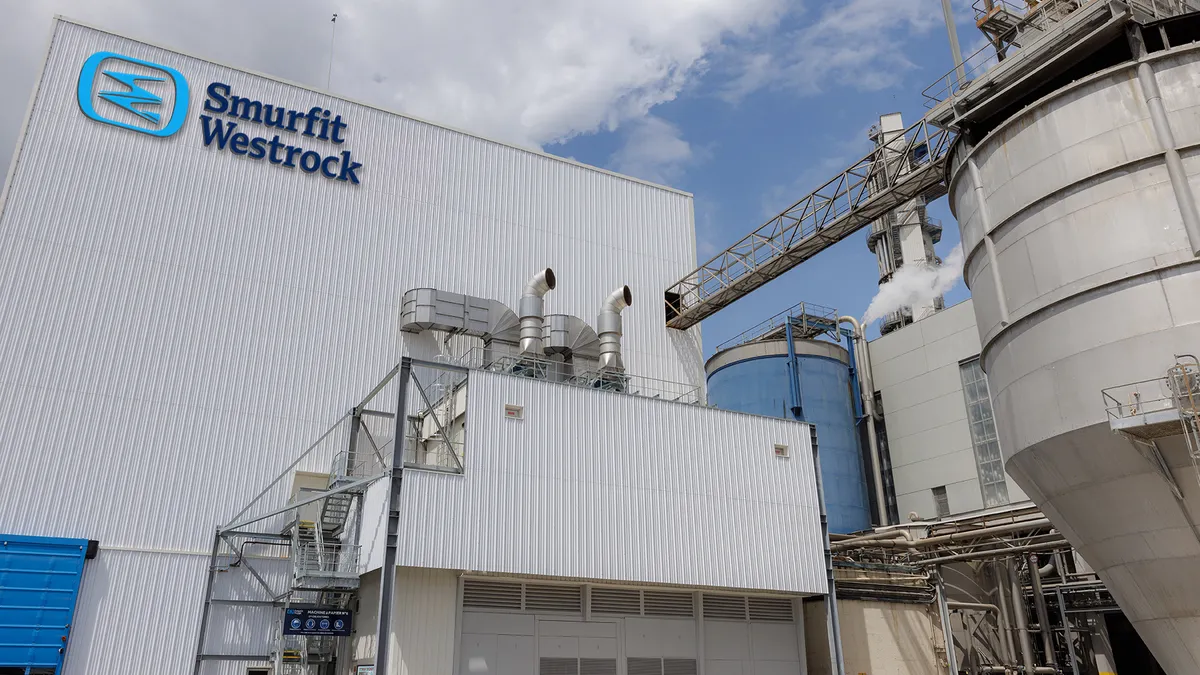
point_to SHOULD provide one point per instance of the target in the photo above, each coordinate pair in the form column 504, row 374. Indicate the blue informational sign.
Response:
column 316, row 621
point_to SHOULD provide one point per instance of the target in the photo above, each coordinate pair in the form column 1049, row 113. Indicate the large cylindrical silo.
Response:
column 754, row 378
column 1075, row 213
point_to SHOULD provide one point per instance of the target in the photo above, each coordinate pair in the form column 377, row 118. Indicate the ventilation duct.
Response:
column 569, row 336
column 533, row 311
column 609, row 329
column 423, row 309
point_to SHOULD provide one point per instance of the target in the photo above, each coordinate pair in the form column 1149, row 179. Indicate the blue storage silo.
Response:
column 754, row 378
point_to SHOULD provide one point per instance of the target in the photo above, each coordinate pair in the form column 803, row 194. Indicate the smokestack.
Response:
column 533, row 311
column 608, row 326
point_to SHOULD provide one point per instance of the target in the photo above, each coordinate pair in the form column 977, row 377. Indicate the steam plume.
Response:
column 915, row 285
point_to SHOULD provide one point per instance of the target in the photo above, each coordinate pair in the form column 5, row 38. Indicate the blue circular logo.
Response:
column 324, row 624
column 339, row 624
column 295, row 623
column 310, row 624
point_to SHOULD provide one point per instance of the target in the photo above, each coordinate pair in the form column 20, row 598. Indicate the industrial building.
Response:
column 293, row 384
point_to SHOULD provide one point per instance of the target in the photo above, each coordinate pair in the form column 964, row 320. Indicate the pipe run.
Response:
column 608, row 327
column 867, row 392
column 941, row 539
column 533, row 311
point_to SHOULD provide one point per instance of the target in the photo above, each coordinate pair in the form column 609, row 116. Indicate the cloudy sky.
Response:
column 748, row 104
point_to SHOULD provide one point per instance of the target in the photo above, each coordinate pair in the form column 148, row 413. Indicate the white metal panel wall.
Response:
column 176, row 322
column 423, row 616
column 607, row 486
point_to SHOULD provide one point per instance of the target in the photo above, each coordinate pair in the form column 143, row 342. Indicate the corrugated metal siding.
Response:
column 423, row 615
column 598, row 485
column 178, row 322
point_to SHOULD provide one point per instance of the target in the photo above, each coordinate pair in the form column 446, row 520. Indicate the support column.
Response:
column 387, row 574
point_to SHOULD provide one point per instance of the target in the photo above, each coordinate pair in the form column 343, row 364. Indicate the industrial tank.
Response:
column 754, row 378
column 1075, row 214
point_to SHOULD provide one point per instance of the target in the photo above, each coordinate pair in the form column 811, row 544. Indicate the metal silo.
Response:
column 754, row 374
column 1079, row 219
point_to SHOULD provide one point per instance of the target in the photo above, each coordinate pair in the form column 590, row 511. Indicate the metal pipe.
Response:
column 797, row 402
column 948, row 538
column 1067, row 632
column 609, row 329
column 833, row 623
column 973, row 606
column 1006, row 641
column 955, row 50
column 1018, row 602
column 533, row 310
column 1043, row 615
column 1166, row 139
column 947, row 629
column 867, row 391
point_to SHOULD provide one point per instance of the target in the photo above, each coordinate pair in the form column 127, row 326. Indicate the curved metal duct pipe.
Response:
column 532, row 311
column 608, row 327
column 867, row 386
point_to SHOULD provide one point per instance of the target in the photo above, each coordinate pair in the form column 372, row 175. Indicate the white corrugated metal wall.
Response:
column 599, row 485
column 177, row 322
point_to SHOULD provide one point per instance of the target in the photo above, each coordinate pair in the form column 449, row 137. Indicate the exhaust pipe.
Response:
column 608, row 326
column 533, row 311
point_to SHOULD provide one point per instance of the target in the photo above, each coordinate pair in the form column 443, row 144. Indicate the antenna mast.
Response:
column 332, row 38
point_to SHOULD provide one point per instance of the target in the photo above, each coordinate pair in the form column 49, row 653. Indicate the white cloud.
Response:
column 856, row 43
column 526, row 71
column 654, row 149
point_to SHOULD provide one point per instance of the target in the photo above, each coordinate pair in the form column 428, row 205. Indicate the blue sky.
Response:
column 758, row 155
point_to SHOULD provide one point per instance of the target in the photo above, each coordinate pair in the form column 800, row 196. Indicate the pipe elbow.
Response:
column 542, row 283
column 618, row 300
column 853, row 324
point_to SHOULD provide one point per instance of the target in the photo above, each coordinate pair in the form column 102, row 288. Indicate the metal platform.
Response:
column 808, row 321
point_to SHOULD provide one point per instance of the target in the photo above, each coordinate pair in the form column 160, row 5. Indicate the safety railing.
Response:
column 1138, row 398
column 812, row 319
column 346, row 467
column 575, row 375
column 325, row 561
column 1039, row 16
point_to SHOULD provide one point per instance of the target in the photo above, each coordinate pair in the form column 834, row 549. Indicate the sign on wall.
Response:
column 153, row 99
column 316, row 621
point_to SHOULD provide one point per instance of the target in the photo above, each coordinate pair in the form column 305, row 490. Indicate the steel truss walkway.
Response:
column 910, row 166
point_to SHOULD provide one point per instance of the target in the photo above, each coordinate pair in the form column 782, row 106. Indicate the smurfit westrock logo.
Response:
column 135, row 94
column 128, row 93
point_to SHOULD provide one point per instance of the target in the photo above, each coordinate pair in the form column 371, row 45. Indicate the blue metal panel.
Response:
column 762, row 386
column 39, row 582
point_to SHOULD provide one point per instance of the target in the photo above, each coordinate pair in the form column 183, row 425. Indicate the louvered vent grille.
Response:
column 491, row 594
column 661, row 603
column 725, row 607
column 616, row 601
column 554, row 598
column 679, row 666
column 549, row 665
column 770, row 609
column 636, row 666
column 597, row 667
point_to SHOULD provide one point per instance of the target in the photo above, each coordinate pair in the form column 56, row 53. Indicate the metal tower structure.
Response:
column 904, row 236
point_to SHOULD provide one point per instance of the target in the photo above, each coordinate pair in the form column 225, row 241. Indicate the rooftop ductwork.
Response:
column 425, row 309
column 569, row 336
column 609, row 329
column 532, row 311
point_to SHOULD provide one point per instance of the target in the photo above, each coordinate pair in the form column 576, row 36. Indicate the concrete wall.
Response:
column 916, row 369
column 878, row 638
